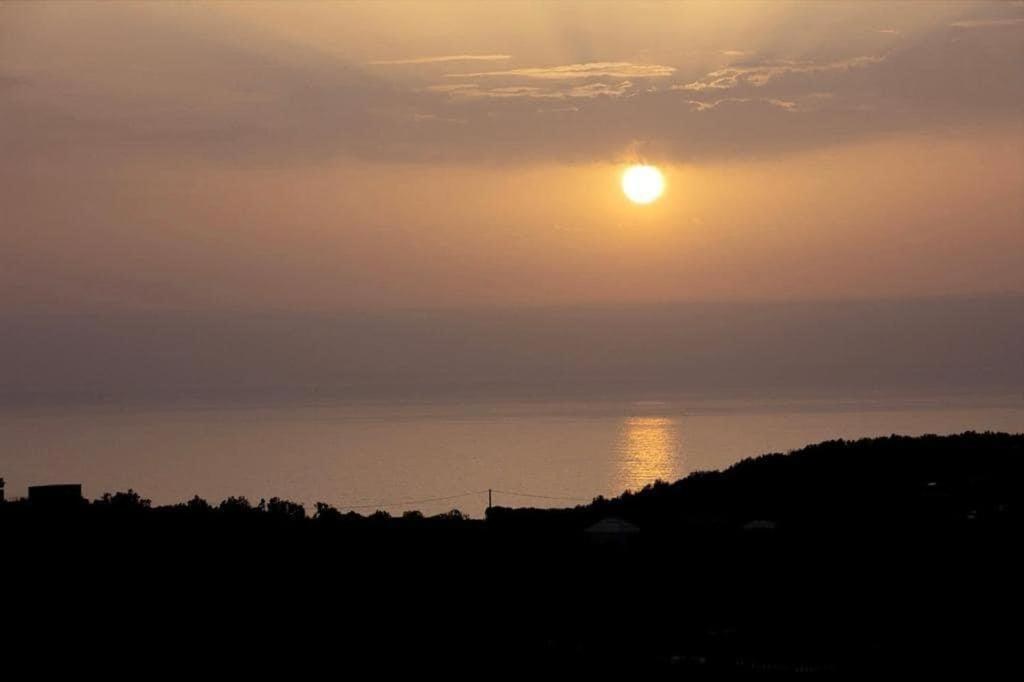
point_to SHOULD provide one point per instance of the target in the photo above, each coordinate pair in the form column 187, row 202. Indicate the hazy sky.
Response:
column 337, row 156
column 930, row 348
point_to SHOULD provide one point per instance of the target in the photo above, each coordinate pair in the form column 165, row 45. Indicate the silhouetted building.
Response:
column 57, row 495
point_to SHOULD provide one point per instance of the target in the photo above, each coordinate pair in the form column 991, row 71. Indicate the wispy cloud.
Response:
column 586, row 91
column 443, row 58
column 760, row 74
column 740, row 106
column 987, row 23
column 570, row 71
column 706, row 106
column 449, row 88
column 420, row 117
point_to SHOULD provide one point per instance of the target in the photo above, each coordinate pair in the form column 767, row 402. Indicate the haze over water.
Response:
column 573, row 402
column 361, row 455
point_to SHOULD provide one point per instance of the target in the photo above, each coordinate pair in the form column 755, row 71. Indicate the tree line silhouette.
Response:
column 896, row 554
column 879, row 483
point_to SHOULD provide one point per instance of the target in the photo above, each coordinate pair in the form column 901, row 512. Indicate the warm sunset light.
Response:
column 643, row 184
column 320, row 307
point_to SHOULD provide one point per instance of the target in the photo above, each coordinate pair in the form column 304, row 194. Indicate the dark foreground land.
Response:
column 886, row 555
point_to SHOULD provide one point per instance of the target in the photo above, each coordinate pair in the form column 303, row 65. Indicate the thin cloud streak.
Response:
column 442, row 59
column 987, row 23
column 587, row 91
column 706, row 106
column 587, row 70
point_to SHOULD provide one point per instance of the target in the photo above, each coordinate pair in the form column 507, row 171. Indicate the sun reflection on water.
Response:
column 648, row 450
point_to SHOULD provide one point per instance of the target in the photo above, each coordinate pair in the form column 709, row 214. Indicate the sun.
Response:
column 643, row 184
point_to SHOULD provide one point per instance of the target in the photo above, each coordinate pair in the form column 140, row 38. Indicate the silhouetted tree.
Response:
column 198, row 504
column 235, row 505
column 286, row 509
column 325, row 512
column 123, row 500
column 453, row 515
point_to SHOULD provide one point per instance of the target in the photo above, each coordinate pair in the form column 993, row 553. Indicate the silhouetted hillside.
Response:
column 895, row 554
column 878, row 485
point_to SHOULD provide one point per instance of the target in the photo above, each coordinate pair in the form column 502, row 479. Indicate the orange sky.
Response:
column 335, row 156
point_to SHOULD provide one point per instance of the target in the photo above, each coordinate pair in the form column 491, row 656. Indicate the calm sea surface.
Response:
column 395, row 457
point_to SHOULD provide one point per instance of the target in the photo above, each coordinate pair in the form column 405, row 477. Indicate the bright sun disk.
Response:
column 642, row 184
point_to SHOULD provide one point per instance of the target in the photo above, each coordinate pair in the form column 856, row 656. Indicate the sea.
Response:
column 438, row 457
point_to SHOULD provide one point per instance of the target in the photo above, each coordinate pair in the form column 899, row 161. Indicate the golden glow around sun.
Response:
column 642, row 184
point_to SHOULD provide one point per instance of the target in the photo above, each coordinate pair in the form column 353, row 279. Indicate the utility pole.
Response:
column 488, row 498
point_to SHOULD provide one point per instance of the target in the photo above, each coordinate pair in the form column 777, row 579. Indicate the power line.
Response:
column 406, row 503
column 543, row 497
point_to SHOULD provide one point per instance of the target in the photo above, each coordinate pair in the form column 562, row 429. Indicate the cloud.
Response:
column 244, row 102
column 586, row 91
column 418, row 117
column 453, row 88
column 987, row 23
column 442, row 59
column 554, row 82
column 699, row 105
column 758, row 75
column 575, row 71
